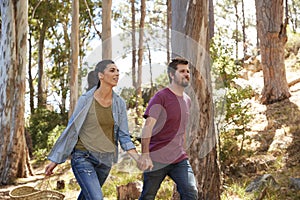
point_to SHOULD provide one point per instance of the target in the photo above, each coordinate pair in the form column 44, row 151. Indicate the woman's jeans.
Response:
column 91, row 170
column 181, row 173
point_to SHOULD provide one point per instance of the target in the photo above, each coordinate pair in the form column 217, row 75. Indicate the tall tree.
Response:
column 169, row 19
column 244, row 30
column 294, row 10
column 191, row 40
column 211, row 19
column 236, row 32
column 44, row 23
column 140, row 61
column 31, row 13
column 133, row 42
column 14, row 156
column 272, row 35
column 42, row 94
column 106, row 29
column 74, row 56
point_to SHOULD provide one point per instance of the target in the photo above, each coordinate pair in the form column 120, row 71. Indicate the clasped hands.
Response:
column 144, row 162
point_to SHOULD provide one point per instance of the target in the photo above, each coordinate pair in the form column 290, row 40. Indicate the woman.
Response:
column 91, row 137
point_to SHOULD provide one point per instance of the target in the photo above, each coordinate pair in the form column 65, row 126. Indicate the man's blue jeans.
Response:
column 181, row 173
column 91, row 170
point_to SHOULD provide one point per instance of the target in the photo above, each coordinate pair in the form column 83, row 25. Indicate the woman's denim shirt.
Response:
column 69, row 137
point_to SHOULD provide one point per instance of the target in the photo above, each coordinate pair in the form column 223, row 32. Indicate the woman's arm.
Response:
column 134, row 154
column 49, row 168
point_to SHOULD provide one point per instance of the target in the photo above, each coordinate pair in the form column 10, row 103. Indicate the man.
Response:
column 163, row 136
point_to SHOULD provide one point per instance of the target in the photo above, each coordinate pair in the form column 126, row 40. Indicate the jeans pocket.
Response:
column 78, row 156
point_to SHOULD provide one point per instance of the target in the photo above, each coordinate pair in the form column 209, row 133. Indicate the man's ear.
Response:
column 171, row 75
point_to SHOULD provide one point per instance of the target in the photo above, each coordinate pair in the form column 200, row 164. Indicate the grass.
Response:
column 126, row 172
column 234, row 190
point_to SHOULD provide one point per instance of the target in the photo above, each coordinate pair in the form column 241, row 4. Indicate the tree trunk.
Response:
column 272, row 35
column 140, row 63
column 194, row 46
column 236, row 34
column 64, row 78
column 14, row 157
column 42, row 94
column 132, row 190
column 74, row 56
column 106, row 29
column 211, row 19
column 169, row 20
column 244, row 32
column 178, row 10
column 294, row 20
column 30, row 79
column 133, row 41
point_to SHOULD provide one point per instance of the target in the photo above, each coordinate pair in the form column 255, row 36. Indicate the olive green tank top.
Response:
column 97, row 132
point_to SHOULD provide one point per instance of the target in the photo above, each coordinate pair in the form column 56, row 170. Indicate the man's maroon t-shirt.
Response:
column 171, row 112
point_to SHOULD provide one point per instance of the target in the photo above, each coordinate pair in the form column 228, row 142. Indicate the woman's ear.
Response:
column 100, row 75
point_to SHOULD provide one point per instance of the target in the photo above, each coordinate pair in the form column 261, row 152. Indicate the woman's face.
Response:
column 110, row 75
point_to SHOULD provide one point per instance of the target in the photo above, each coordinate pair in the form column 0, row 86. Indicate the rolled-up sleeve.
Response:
column 123, row 131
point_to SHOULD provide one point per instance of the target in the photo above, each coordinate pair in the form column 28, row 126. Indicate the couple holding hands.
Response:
column 99, row 124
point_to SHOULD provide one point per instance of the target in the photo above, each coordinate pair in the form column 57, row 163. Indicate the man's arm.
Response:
column 146, row 162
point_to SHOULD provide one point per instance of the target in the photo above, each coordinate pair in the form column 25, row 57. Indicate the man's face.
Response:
column 182, row 75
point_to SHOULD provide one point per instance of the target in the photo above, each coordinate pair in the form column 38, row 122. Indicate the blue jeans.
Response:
column 91, row 170
column 181, row 173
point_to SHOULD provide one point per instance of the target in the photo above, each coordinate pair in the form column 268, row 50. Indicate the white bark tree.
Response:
column 14, row 156
column 106, row 30
column 74, row 56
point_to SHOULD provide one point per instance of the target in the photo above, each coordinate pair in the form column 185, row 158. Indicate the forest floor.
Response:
column 273, row 139
column 272, row 143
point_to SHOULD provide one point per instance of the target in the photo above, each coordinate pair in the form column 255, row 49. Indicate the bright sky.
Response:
column 121, row 54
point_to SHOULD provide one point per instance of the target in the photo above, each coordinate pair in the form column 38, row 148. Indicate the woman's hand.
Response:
column 49, row 168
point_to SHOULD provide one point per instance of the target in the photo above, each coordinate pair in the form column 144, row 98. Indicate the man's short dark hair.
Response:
column 172, row 67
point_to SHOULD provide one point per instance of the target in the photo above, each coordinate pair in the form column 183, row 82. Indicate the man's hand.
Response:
column 145, row 162
column 49, row 168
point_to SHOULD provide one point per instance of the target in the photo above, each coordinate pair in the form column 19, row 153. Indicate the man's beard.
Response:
column 182, row 82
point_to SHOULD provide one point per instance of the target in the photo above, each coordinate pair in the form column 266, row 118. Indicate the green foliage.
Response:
column 118, row 178
column 162, row 80
column 128, row 94
column 237, row 190
column 44, row 127
column 139, row 111
column 232, row 107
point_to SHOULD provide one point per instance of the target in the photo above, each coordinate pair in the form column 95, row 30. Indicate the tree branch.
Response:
column 91, row 18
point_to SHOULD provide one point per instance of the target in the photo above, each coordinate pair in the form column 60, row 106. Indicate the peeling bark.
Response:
column 14, row 156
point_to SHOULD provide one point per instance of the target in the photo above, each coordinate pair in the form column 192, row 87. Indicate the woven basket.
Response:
column 30, row 193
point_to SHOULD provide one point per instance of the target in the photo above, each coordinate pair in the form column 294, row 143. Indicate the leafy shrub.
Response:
column 128, row 94
column 44, row 127
column 232, row 104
